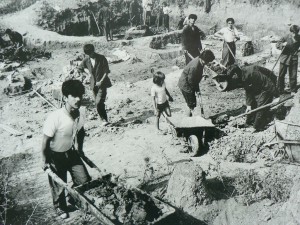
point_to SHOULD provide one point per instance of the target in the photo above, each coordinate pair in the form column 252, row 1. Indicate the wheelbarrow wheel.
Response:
column 193, row 144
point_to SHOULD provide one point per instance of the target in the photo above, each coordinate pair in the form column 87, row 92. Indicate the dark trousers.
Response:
column 107, row 29
column 227, row 57
column 292, row 68
column 261, row 118
column 147, row 18
column 100, row 97
column 61, row 163
column 190, row 99
column 166, row 19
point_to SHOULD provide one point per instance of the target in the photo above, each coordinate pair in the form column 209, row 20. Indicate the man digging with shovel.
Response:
column 260, row 86
column 191, row 77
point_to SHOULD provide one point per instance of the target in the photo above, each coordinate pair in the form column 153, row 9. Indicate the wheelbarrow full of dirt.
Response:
column 192, row 129
column 114, row 204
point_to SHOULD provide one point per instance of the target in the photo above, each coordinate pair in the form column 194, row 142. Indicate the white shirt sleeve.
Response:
column 50, row 125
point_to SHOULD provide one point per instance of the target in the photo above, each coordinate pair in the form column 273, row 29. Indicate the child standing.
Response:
column 159, row 93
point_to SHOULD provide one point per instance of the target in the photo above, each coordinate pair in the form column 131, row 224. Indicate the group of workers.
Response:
column 261, row 84
column 63, row 130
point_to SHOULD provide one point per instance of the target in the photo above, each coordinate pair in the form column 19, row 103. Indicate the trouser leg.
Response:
column 58, row 166
column 100, row 97
column 293, row 75
column 77, row 169
column 262, row 117
column 280, row 81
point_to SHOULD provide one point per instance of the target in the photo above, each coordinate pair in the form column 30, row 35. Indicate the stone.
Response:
column 191, row 191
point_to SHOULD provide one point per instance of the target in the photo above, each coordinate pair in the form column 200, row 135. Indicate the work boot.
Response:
column 63, row 214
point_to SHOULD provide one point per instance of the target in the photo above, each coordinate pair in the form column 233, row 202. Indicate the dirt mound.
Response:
column 191, row 177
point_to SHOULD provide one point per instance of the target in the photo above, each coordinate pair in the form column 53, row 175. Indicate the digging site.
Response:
column 211, row 168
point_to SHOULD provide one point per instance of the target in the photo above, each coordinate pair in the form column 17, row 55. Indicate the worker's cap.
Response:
column 294, row 29
column 193, row 16
column 7, row 31
column 234, row 70
column 207, row 56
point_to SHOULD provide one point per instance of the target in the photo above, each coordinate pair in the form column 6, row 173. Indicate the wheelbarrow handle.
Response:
column 91, row 163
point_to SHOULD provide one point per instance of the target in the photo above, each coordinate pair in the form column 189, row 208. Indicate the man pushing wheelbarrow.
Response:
column 191, row 77
column 192, row 129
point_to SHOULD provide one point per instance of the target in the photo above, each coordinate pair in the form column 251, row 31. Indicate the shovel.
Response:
column 200, row 102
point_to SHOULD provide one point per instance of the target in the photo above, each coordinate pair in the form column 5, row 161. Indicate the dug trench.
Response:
column 238, row 180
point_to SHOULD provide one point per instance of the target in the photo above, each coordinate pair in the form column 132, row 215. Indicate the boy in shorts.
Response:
column 159, row 93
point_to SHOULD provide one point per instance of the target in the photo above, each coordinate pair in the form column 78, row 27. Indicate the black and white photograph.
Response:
column 149, row 112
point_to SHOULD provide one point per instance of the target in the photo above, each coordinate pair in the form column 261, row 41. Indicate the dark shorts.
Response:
column 163, row 106
column 190, row 99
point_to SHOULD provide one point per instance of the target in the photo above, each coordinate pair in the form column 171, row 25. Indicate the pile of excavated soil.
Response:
column 127, row 206
column 240, row 145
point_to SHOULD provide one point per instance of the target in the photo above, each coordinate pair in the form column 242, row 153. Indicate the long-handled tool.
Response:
column 200, row 102
column 278, row 59
column 95, row 22
column 261, row 108
column 230, row 50
column 91, row 164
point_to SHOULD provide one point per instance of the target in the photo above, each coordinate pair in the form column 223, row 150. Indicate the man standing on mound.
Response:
column 98, row 67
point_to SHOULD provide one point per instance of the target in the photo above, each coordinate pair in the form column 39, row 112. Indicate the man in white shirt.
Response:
column 230, row 35
column 63, row 132
column 166, row 18
column 147, row 7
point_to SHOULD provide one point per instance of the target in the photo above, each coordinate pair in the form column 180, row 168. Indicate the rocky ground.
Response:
column 131, row 149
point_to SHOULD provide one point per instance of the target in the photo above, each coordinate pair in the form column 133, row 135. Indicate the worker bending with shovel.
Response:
column 260, row 86
column 191, row 77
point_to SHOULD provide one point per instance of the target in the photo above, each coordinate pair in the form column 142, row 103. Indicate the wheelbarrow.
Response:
column 90, row 203
column 288, row 134
column 192, row 129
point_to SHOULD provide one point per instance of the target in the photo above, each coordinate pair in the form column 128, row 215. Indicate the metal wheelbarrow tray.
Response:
column 90, row 195
column 289, row 135
column 191, row 128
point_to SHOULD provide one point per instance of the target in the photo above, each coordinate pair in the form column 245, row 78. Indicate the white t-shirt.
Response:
column 166, row 10
column 63, row 128
column 229, row 34
column 147, row 4
column 93, row 62
column 159, row 93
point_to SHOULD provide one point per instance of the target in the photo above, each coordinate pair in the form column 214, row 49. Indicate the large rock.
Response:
column 186, row 188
